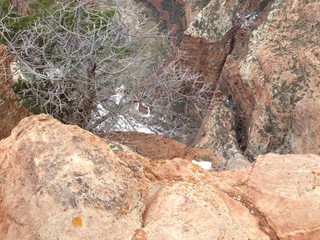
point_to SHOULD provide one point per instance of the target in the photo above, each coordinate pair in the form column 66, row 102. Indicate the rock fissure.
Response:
column 229, row 40
column 150, row 200
column 263, row 221
column 248, row 178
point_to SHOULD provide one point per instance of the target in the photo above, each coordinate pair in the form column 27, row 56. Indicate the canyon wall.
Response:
column 263, row 60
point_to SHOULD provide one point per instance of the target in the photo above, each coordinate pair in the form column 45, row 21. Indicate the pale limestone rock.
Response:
column 213, row 21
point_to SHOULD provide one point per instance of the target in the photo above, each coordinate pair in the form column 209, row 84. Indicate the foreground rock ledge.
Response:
column 61, row 182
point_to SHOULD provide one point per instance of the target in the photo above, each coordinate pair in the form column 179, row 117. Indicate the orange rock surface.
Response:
column 59, row 181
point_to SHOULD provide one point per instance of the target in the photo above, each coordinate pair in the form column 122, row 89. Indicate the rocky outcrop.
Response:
column 65, row 182
column 263, row 57
column 210, row 39
column 157, row 147
column 276, row 188
column 218, row 134
column 59, row 181
column 276, row 80
column 11, row 110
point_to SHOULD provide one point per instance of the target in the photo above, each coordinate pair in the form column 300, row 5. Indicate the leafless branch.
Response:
column 94, row 70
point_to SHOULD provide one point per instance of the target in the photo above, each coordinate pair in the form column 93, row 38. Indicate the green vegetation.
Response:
column 176, row 11
column 28, row 98
column 61, row 41
column 198, row 24
column 41, row 6
column 176, row 14
column 269, row 128
column 12, row 20
column 15, row 22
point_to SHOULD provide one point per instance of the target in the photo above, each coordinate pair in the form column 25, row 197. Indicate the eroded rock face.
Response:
column 156, row 147
column 219, row 136
column 264, row 58
column 279, row 190
column 281, row 72
column 11, row 110
column 59, row 181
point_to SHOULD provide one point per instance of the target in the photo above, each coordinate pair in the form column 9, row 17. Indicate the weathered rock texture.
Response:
column 281, row 191
column 11, row 110
column 61, row 182
column 264, row 58
column 208, row 41
column 275, row 81
column 157, row 147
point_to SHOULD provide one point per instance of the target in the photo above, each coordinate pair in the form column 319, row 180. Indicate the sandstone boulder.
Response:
column 157, row 147
column 282, row 191
column 59, row 181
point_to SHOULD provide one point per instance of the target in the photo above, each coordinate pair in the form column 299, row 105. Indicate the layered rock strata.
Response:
column 262, row 58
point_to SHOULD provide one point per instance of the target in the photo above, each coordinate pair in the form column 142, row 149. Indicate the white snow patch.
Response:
column 17, row 74
column 126, row 123
column 102, row 111
column 117, row 97
column 129, row 125
column 250, row 17
column 53, row 73
column 204, row 164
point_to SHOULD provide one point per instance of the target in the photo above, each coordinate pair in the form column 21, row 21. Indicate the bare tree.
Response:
column 88, row 66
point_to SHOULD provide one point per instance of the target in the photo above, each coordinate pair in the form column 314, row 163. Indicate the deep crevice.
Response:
column 243, row 116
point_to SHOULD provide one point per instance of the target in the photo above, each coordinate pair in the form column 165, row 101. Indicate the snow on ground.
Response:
column 16, row 72
column 129, row 124
column 250, row 17
column 204, row 164
column 117, row 97
column 126, row 123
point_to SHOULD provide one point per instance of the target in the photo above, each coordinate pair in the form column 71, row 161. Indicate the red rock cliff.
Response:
column 263, row 56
